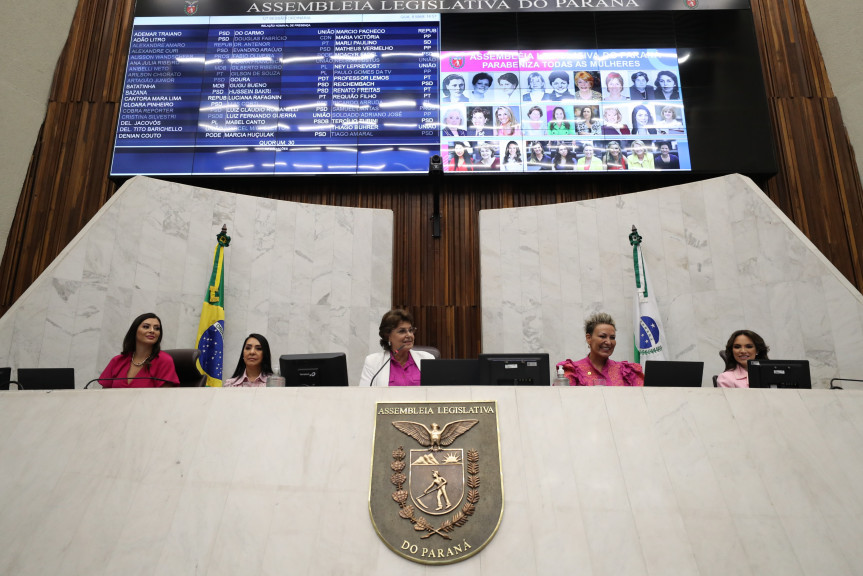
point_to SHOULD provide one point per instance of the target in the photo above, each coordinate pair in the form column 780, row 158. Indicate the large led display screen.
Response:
column 274, row 94
column 554, row 110
column 223, row 90
column 577, row 110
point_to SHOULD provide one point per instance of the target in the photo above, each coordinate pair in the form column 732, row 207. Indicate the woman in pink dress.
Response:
column 141, row 364
column 597, row 368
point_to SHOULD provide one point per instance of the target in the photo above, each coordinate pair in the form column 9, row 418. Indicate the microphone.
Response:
column 371, row 383
column 162, row 380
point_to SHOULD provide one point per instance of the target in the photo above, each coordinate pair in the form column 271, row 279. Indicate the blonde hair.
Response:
column 596, row 319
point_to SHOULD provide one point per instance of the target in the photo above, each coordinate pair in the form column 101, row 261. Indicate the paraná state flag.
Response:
column 648, row 333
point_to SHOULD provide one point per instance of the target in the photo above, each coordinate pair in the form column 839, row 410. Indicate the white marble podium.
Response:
column 612, row 481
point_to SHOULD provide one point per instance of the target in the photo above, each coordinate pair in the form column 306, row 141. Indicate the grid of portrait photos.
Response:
column 575, row 110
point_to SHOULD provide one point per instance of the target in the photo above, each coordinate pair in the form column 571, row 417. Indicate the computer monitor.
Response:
column 5, row 377
column 46, row 378
column 525, row 369
column 779, row 374
column 673, row 373
column 450, row 372
column 326, row 369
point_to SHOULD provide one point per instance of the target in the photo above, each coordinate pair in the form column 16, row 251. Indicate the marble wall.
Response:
column 275, row 481
column 309, row 278
column 721, row 256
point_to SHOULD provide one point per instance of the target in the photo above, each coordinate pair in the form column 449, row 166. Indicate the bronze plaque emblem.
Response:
column 436, row 491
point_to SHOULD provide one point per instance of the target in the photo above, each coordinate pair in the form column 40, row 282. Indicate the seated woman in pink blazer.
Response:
column 744, row 345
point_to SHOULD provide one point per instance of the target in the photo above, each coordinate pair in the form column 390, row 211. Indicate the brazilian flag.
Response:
column 211, row 328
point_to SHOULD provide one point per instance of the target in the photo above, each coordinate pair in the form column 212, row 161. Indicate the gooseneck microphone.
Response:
column 162, row 380
column 386, row 361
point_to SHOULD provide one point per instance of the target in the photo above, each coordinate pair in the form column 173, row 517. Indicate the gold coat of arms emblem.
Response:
column 436, row 490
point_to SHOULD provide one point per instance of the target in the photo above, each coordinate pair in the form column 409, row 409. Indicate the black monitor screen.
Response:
column 527, row 369
column 779, row 374
column 328, row 369
column 46, row 378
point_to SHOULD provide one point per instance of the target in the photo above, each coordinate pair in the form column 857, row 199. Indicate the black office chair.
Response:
column 716, row 376
column 430, row 349
column 5, row 378
column 187, row 369
column 46, row 378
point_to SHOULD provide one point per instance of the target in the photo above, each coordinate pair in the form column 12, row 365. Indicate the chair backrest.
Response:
column 5, row 377
column 716, row 380
column 430, row 349
column 46, row 378
column 185, row 364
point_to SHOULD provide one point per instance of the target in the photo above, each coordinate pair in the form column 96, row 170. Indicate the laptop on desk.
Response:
column 449, row 373
column 673, row 373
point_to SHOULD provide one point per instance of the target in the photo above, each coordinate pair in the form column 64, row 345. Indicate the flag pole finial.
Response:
column 634, row 237
column 635, row 242
column 223, row 238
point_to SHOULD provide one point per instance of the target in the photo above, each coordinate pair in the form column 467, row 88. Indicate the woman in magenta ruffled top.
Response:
column 598, row 369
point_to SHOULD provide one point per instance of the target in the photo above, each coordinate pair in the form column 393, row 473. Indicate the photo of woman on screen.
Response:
column 538, row 159
column 614, row 124
column 480, row 121
column 507, row 87
column 505, row 122
column 535, row 123
column 639, row 89
column 613, row 158
column 512, row 161
column 559, row 125
column 481, row 83
column 453, row 89
column 642, row 121
column 665, row 160
column 459, row 158
column 453, row 123
column 586, row 124
column 563, row 159
column 588, row 161
column 584, row 82
column 536, row 85
column 614, row 87
column 640, row 159
column 559, row 81
column 488, row 159
column 666, row 86
column 668, row 122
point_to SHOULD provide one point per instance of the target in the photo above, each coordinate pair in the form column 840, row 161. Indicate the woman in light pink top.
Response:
column 255, row 364
column 744, row 345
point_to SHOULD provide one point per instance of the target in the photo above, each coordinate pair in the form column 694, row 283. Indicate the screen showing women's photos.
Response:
column 566, row 110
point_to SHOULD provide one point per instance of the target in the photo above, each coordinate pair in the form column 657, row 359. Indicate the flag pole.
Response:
column 211, row 328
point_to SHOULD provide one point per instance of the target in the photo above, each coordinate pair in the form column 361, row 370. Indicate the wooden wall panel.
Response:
column 818, row 186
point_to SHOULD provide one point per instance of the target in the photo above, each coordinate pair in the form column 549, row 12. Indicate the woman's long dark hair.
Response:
column 130, row 340
column 266, row 361
column 761, row 349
